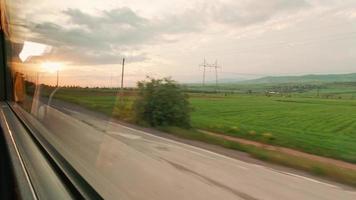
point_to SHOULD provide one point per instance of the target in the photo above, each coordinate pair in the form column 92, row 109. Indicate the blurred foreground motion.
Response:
column 187, row 99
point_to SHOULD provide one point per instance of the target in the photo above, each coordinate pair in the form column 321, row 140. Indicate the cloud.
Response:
column 245, row 13
column 96, row 38
column 119, row 16
column 103, row 38
column 93, row 57
column 119, row 26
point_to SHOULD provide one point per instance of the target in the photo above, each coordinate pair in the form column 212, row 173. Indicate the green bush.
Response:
column 162, row 102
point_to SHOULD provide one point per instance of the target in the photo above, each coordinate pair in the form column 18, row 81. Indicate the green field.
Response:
column 323, row 125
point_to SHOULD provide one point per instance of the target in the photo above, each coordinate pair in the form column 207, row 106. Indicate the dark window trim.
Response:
column 3, row 67
column 75, row 182
column 8, row 189
column 5, row 72
column 21, row 180
column 34, row 176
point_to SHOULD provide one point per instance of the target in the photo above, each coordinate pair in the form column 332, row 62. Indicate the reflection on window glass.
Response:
column 158, row 99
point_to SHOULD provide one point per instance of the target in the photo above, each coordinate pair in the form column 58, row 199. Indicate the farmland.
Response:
column 320, row 123
column 320, row 126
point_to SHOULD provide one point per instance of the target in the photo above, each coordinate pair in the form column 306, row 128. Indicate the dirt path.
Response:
column 292, row 152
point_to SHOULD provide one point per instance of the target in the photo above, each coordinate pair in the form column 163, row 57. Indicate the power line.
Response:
column 204, row 71
column 207, row 65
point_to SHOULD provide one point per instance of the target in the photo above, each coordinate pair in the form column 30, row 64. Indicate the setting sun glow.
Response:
column 51, row 67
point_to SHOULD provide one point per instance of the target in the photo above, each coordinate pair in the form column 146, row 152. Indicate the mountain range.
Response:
column 312, row 78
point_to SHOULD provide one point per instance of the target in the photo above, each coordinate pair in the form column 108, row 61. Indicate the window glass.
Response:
column 158, row 99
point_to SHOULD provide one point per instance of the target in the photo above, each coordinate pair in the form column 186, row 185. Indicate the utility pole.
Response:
column 110, row 83
column 57, row 78
column 122, row 79
column 37, row 79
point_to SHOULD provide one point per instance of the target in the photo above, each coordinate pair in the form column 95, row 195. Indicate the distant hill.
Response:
column 228, row 80
column 327, row 78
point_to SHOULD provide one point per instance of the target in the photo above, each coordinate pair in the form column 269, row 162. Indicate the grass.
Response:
column 105, row 101
column 324, row 127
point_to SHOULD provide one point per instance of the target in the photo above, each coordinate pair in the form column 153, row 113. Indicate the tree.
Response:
column 162, row 102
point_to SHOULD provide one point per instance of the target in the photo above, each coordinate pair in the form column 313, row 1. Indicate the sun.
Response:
column 51, row 67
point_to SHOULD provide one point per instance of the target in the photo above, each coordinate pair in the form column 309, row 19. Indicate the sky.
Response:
column 159, row 38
